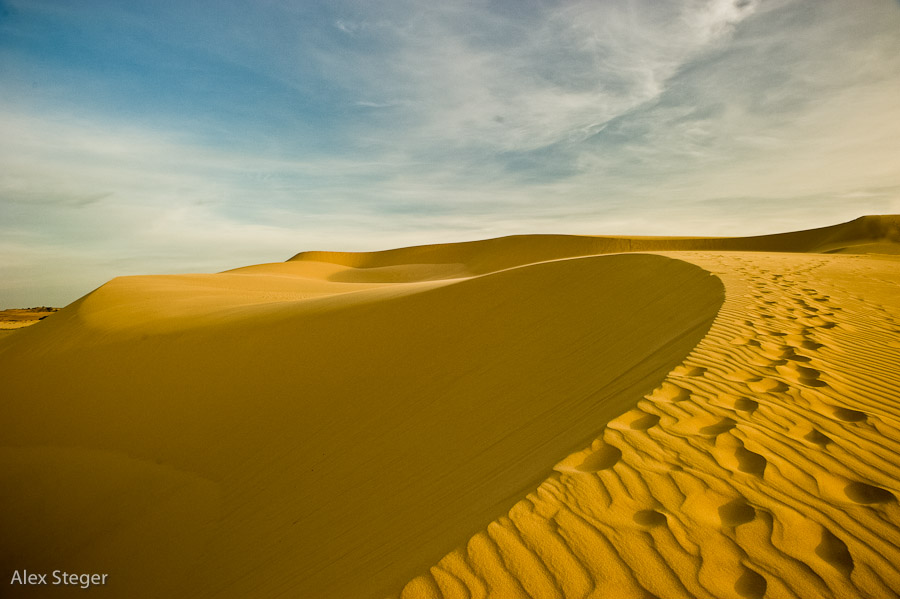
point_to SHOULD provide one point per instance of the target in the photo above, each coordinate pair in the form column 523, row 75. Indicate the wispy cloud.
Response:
column 495, row 79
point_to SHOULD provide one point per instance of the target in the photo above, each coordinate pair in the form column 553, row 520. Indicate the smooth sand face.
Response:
column 336, row 425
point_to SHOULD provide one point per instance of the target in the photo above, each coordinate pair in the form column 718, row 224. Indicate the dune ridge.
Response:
column 296, row 435
column 875, row 234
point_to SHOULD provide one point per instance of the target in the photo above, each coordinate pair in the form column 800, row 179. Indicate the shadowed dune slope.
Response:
column 867, row 234
column 269, row 432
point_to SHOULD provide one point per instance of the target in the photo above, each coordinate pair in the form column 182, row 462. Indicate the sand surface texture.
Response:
column 508, row 418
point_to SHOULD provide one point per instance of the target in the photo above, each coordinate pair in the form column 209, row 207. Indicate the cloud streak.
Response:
column 476, row 78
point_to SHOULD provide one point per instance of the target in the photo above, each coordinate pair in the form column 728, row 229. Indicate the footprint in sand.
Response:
column 739, row 376
column 600, row 456
column 722, row 426
column 601, row 459
column 802, row 375
column 791, row 355
column 689, row 371
column 818, row 322
column 650, row 518
column 865, row 493
column 706, row 425
column 749, row 462
column 762, row 360
column 814, row 436
column 835, row 552
column 738, row 404
column 635, row 420
column 745, row 341
column 839, row 488
column 645, row 422
column 736, row 512
column 751, row 585
column 766, row 385
column 775, row 351
column 745, row 404
column 731, row 454
column 848, row 415
column 807, row 343
column 670, row 392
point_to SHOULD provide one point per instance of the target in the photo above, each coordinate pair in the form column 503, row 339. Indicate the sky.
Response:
column 157, row 136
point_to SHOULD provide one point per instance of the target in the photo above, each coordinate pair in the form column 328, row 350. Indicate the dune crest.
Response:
column 867, row 234
column 329, row 438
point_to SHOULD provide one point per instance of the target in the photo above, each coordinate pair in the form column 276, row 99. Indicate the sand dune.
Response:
column 763, row 466
column 867, row 234
column 335, row 444
column 517, row 417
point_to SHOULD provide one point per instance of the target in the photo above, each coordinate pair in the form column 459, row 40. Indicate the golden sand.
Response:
column 17, row 318
column 518, row 417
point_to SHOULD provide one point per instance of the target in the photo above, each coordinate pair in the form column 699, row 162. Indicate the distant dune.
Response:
column 17, row 318
column 530, row 416
column 867, row 234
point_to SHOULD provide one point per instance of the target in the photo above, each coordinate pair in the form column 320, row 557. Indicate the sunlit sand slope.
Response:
column 270, row 432
column 766, row 465
column 867, row 234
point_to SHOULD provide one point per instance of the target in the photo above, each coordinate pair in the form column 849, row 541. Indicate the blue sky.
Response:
column 158, row 136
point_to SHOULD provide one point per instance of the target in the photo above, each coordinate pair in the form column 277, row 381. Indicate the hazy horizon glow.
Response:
column 172, row 137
